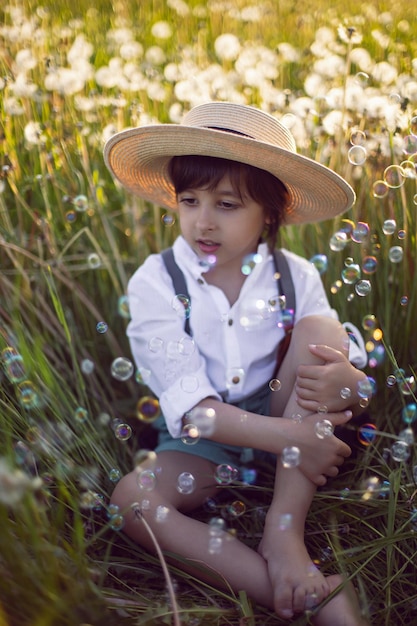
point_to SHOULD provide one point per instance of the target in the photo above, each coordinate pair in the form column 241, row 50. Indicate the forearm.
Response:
column 233, row 426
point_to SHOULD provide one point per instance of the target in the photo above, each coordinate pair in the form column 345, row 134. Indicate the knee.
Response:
column 319, row 329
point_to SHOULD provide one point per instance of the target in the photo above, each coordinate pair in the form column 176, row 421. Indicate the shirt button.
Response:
column 200, row 281
column 230, row 322
column 235, row 380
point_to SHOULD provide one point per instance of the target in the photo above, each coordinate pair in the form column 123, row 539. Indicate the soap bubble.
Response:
column 14, row 367
column 394, row 176
column 189, row 384
column 123, row 307
column 80, row 415
column 404, row 300
column 345, row 393
column 275, row 384
column 80, row 203
column 249, row 263
column 147, row 409
column 117, row 522
column 87, row 366
column 203, row 419
column 338, row 241
column 361, row 79
column 182, row 305
column 410, row 144
column 407, row 385
column 146, row 480
column 351, row 274
column 357, row 155
column 225, row 474
column 115, row 475
column 101, row 327
column 369, row 265
column 360, row 233
column 357, row 137
column 285, row 521
column 400, row 451
column 94, row 261
column 123, row 432
column 391, row 380
column 323, row 429
column 155, row 344
column 168, row 219
column 185, row 483
column 395, row 254
column 320, row 262
column 290, row 457
column 161, row 513
column 28, row 395
column 371, row 487
column 369, row 322
column 215, row 545
column 190, row 435
column 122, row 368
column 365, row 388
column 216, row 527
column 363, row 288
column 380, row 189
column 236, row 508
column 389, row 226
column 366, row 434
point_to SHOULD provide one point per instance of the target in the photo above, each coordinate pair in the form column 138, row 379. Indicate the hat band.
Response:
column 228, row 130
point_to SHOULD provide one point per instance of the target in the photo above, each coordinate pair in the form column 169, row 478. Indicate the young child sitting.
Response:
column 232, row 174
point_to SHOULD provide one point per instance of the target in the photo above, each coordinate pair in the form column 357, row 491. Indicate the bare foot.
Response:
column 298, row 585
column 343, row 609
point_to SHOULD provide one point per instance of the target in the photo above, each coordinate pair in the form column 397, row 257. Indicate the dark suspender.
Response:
column 286, row 289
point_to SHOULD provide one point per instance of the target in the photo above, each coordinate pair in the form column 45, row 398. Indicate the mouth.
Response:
column 207, row 246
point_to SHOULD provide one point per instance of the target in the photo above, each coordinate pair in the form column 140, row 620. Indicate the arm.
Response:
column 334, row 384
column 319, row 457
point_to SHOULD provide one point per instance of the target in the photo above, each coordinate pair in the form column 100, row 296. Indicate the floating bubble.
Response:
column 400, row 451
column 380, row 189
column 363, row 288
column 322, row 409
column 360, row 233
column 297, row 418
column 186, row 346
column 415, row 198
column 362, row 79
column 115, row 475
column 185, row 483
column 146, row 480
column 371, row 488
column 338, row 241
column 336, row 287
column 204, row 419
column 190, row 434
column 349, row 261
column 14, row 368
column 346, row 227
column 366, row 434
column 248, row 475
column 94, row 261
column 401, row 234
column 70, row 216
column 404, row 300
column 117, row 522
column 345, row 393
column 409, row 413
column 168, row 219
column 80, row 415
column 123, row 307
column 28, row 395
column 391, row 380
column 147, row 409
column 409, row 167
column 396, row 254
column 389, row 226
column 357, row 137
column 101, row 327
column 351, row 274
column 369, row 322
column 80, row 203
column 87, row 366
column 249, row 263
column 369, row 265
column 122, row 368
column 323, row 429
column 320, row 262
column 143, row 375
column 376, row 355
column 216, row 527
column 290, row 457
column 237, row 508
column 155, row 344
column 225, row 474
column 394, row 176
column 88, row 500
column 181, row 305
column 161, row 513
column 215, row 545
column 123, row 432
column 407, row 385
column 365, row 387
column 189, row 384
column 410, row 144
column 413, row 126
column 275, row 384
column 357, row 155
column 285, row 521
column 112, row 509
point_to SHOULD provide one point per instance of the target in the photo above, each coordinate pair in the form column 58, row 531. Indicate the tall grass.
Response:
column 70, row 238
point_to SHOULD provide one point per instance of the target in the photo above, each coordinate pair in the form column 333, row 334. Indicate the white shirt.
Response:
column 232, row 351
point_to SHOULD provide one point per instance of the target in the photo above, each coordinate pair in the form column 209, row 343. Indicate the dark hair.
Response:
column 188, row 172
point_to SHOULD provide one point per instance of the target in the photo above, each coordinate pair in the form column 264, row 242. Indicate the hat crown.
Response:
column 241, row 120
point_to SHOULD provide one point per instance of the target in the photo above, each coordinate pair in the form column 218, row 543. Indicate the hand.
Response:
column 319, row 458
column 322, row 385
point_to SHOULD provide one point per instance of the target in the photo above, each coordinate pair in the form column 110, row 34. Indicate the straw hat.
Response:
column 138, row 158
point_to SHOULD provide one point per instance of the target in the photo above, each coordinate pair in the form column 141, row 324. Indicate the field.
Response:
column 343, row 77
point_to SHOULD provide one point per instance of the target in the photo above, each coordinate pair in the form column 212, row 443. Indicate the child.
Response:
column 232, row 173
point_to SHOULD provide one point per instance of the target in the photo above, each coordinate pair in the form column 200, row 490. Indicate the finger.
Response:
column 326, row 353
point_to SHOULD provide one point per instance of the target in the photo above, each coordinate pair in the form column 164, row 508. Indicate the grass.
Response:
column 70, row 239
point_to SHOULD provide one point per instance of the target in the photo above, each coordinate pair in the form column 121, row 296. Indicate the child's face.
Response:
column 219, row 223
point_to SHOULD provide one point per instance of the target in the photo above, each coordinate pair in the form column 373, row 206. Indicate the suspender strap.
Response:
column 286, row 287
column 178, row 280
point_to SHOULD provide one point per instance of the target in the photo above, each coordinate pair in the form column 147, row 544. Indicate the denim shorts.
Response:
column 219, row 453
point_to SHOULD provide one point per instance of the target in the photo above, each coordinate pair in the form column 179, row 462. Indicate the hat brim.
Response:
column 139, row 157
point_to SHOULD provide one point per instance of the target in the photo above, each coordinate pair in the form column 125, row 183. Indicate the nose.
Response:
column 205, row 218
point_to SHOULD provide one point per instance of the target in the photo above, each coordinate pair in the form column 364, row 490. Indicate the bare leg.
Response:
column 297, row 584
column 230, row 564
column 343, row 609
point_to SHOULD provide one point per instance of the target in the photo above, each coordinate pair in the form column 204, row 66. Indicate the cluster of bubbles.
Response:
column 15, row 371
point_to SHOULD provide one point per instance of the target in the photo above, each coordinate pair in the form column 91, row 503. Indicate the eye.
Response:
column 227, row 205
column 187, row 200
